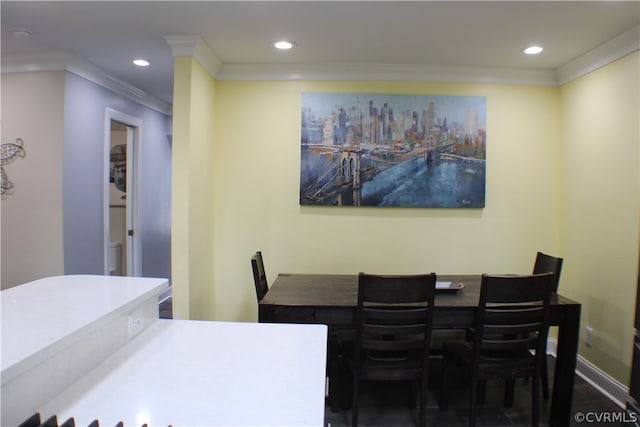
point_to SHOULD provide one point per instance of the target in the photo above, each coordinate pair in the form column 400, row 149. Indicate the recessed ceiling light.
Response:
column 533, row 50
column 283, row 45
column 141, row 62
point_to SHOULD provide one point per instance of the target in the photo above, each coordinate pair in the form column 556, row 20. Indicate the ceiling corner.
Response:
column 614, row 49
column 191, row 45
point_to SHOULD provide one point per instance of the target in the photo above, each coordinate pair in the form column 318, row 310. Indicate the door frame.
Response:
column 134, row 125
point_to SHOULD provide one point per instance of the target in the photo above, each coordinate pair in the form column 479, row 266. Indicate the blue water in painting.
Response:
column 418, row 183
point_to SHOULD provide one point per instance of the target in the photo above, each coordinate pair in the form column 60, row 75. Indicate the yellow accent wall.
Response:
column 192, row 191
column 256, row 197
column 600, row 207
column 562, row 177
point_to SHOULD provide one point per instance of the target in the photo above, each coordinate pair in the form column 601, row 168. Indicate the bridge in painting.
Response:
column 343, row 183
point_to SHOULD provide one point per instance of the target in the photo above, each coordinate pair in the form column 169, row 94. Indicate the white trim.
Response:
column 194, row 46
column 64, row 61
column 613, row 389
column 134, row 265
column 607, row 53
column 53, row 61
column 111, row 114
column 386, row 72
column 189, row 45
column 106, row 152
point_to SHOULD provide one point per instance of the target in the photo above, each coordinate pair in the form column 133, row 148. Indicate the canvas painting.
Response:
column 362, row 149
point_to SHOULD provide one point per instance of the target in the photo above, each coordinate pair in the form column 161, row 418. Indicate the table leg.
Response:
column 265, row 314
column 334, row 370
column 564, row 373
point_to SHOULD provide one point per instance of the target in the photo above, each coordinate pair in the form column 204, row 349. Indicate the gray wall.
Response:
column 83, row 171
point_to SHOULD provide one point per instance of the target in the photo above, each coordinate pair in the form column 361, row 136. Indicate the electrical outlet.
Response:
column 588, row 335
column 136, row 323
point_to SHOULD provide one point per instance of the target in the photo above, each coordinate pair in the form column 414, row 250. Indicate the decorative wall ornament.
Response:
column 9, row 153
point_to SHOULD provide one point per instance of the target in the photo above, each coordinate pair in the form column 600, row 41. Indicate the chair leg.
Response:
column 444, row 385
column 535, row 401
column 473, row 400
column 545, row 380
column 413, row 397
column 356, row 401
column 509, row 391
column 334, row 371
column 345, row 384
column 423, row 402
column 482, row 391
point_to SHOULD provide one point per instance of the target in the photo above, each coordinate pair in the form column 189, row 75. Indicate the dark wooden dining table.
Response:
column 331, row 299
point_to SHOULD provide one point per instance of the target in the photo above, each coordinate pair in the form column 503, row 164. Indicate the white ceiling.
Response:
column 329, row 34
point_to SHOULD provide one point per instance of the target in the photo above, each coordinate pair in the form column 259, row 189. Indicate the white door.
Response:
column 122, row 244
column 131, row 252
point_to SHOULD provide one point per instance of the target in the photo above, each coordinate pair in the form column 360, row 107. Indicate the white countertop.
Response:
column 39, row 314
column 198, row 373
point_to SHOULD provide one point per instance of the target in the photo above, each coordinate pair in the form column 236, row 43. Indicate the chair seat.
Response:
column 377, row 356
column 461, row 353
column 381, row 373
column 408, row 364
column 377, row 365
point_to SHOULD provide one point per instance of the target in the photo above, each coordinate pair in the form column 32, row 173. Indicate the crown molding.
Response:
column 64, row 61
column 194, row 46
column 620, row 46
column 53, row 61
column 614, row 49
column 386, row 72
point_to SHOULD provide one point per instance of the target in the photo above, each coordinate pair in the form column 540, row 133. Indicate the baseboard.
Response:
column 613, row 389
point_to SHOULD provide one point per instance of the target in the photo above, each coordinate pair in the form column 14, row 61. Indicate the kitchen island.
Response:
column 56, row 329
column 92, row 347
column 198, row 373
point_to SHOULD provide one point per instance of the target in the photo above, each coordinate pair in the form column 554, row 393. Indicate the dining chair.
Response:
column 547, row 264
column 512, row 319
column 259, row 275
column 543, row 264
column 393, row 333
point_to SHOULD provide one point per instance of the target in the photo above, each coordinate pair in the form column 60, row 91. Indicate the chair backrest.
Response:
column 259, row 275
column 548, row 264
column 513, row 317
column 393, row 323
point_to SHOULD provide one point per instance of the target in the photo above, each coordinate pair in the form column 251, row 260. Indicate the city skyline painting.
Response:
column 361, row 149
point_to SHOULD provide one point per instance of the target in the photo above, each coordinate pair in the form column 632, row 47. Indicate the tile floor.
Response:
column 386, row 405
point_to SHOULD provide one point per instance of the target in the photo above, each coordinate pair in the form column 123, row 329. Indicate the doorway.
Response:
column 121, row 243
